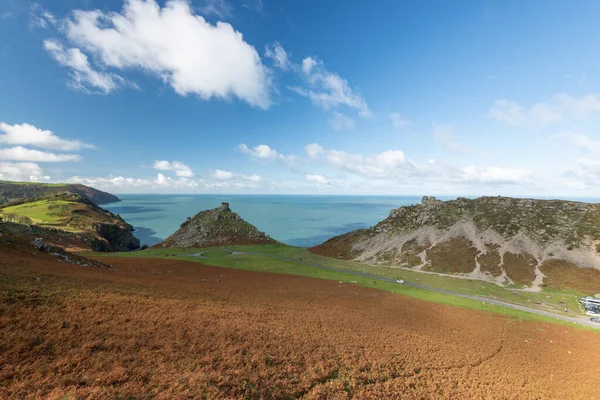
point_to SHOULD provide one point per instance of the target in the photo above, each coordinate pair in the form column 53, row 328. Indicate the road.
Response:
column 581, row 321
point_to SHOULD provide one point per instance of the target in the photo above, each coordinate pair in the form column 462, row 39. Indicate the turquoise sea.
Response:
column 296, row 220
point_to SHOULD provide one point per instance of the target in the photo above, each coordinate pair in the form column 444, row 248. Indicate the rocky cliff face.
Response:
column 216, row 227
column 509, row 241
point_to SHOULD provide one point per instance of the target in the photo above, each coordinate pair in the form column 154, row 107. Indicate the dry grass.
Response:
column 453, row 256
column 490, row 261
column 520, row 268
column 176, row 330
column 565, row 275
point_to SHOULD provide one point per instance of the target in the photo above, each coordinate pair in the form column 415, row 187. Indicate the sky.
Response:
column 303, row 97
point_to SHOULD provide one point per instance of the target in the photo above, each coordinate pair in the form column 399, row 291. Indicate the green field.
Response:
column 41, row 212
column 299, row 256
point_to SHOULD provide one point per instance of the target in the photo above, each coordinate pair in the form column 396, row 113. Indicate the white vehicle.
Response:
column 400, row 281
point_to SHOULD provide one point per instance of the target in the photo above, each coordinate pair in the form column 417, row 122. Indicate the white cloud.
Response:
column 314, row 150
column 262, row 151
column 318, row 179
column 559, row 109
column 341, row 122
column 227, row 175
column 29, row 135
column 251, row 178
column 220, row 8
column 23, row 171
column 83, row 76
column 180, row 169
column 277, row 53
column 444, row 134
column 20, row 153
column 398, row 121
column 328, row 90
column 172, row 43
column 222, row 175
column 582, row 142
column 41, row 18
column 382, row 165
column 495, row 175
column 111, row 182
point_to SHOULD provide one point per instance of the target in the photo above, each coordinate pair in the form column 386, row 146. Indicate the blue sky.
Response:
column 335, row 97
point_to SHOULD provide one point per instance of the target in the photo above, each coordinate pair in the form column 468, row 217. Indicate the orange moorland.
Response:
column 162, row 329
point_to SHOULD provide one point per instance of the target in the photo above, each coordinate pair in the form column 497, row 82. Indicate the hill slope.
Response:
column 70, row 221
column 521, row 242
column 18, row 191
column 216, row 227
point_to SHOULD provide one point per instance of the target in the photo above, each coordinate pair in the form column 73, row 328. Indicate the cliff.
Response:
column 520, row 242
column 19, row 191
column 216, row 227
column 70, row 221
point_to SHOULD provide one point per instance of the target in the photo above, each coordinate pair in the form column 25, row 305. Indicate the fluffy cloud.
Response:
column 264, row 152
column 494, row 175
column 29, row 135
column 328, row 90
column 341, row 122
column 83, row 76
column 23, row 171
column 560, row 108
column 382, row 165
column 222, row 175
column 277, row 53
column 251, row 178
column 314, row 150
column 179, row 47
column 227, row 175
column 318, row 179
column 180, row 169
column 398, row 121
column 444, row 135
column 19, row 153
column 111, row 182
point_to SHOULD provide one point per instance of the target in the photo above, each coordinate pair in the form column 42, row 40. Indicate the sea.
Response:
column 302, row 221
column 297, row 220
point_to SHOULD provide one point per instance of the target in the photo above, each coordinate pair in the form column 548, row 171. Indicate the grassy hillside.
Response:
column 170, row 329
column 19, row 191
column 519, row 243
column 97, row 228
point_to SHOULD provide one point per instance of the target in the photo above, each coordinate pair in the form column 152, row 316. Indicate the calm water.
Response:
column 296, row 220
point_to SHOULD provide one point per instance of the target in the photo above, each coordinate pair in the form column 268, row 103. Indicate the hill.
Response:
column 69, row 221
column 216, row 227
column 19, row 191
column 521, row 242
column 172, row 329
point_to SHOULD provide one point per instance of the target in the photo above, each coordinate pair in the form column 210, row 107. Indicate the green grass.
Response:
column 42, row 211
column 265, row 263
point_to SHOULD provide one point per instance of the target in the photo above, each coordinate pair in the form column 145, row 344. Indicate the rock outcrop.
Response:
column 505, row 240
column 217, row 227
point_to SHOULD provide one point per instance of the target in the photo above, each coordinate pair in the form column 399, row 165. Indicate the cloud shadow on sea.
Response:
column 146, row 236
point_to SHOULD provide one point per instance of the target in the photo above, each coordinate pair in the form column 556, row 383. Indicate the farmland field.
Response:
column 157, row 328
